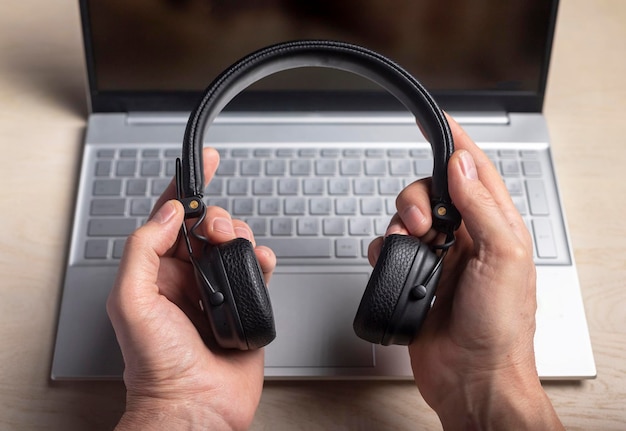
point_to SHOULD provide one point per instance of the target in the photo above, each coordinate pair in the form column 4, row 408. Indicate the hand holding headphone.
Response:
column 402, row 285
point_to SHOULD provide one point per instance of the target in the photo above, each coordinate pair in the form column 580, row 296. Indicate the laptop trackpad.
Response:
column 314, row 314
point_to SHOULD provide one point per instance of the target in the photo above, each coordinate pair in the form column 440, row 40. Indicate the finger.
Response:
column 482, row 215
column 267, row 261
column 242, row 230
column 488, row 175
column 218, row 226
column 414, row 210
column 211, row 160
column 136, row 282
column 373, row 251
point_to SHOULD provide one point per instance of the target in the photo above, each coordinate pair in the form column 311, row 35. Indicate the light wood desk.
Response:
column 42, row 119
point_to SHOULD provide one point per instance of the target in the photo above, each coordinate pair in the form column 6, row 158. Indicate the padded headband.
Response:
column 334, row 55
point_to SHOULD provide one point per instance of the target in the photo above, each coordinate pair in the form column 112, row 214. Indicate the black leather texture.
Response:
column 384, row 287
column 249, row 290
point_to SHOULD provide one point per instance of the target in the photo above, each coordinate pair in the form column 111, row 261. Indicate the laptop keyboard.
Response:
column 318, row 205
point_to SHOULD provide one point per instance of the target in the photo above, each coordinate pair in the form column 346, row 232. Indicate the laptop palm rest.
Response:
column 314, row 314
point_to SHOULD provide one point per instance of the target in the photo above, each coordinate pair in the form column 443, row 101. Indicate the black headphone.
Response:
column 402, row 286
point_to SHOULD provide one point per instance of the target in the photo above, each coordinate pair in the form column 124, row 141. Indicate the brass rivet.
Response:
column 442, row 211
column 194, row 205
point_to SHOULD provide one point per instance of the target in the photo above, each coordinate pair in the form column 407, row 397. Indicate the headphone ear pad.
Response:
column 404, row 262
column 249, row 292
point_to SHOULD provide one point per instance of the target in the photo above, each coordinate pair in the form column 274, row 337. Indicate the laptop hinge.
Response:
column 378, row 117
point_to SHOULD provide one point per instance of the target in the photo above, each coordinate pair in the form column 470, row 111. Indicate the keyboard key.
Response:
column 326, row 167
column 295, row 247
column 537, row 197
column 313, row 186
column 295, row 206
column 103, row 168
column 364, row 186
column 423, row 167
column 106, row 154
column 130, row 154
column 347, row 247
column 360, row 226
column 345, row 206
column 353, row 152
column 275, row 167
column 258, row 225
column 510, row 168
column 375, row 167
column 96, row 249
column 140, row 206
column 350, row 167
column 269, row 206
column 111, row 187
column 150, row 153
column 401, row 167
column 330, row 152
column 150, row 168
column 320, row 206
column 338, row 186
column 544, row 238
column 227, row 167
column 215, row 187
column 111, row 227
column 250, row 167
column 240, row 152
column 118, row 248
column 237, row 186
column 288, row 186
column 126, row 168
column 243, row 206
column 159, row 185
column 389, row 186
column 333, row 226
column 282, row 226
column 308, row 226
column 372, row 206
column 300, row 167
column 262, row 186
column 136, row 187
column 107, row 207
column 307, row 152
column 531, row 168
column 514, row 186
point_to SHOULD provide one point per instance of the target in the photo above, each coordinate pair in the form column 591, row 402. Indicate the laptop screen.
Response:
column 159, row 54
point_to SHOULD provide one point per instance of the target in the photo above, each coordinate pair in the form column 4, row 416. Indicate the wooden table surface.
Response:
column 42, row 121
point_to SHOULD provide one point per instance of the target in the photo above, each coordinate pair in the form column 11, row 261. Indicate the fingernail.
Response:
column 468, row 167
column 223, row 225
column 165, row 213
column 242, row 232
column 413, row 218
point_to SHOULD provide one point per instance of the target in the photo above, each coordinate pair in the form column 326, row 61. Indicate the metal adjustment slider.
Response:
column 446, row 215
column 194, row 206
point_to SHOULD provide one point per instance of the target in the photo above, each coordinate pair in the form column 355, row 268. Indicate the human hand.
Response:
column 173, row 379
column 473, row 359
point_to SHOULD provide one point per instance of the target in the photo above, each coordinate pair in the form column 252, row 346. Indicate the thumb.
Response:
column 481, row 214
column 139, row 267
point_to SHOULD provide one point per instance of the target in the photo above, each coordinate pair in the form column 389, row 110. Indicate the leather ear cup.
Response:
column 249, row 292
column 234, row 296
column 395, row 301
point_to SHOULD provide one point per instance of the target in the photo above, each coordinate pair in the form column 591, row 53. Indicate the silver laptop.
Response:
column 311, row 160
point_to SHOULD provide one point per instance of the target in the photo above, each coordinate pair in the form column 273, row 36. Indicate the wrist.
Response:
column 511, row 399
column 169, row 415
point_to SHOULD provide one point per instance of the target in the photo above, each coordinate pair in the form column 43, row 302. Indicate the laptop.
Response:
column 312, row 160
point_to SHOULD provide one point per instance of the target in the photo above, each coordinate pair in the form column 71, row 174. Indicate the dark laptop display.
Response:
column 494, row 52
